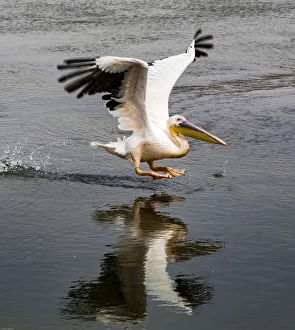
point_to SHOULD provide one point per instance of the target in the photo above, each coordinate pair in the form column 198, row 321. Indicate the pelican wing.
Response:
column 163, row 74
column 123, row 79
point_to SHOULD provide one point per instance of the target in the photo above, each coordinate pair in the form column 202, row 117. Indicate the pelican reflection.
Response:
column 137, row 267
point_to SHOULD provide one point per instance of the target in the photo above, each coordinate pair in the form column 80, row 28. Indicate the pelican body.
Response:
column 137, row 93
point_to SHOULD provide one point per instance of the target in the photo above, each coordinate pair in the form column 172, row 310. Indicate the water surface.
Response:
column 85, row 243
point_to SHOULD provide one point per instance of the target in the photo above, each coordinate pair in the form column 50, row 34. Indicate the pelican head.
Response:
column 179, row 125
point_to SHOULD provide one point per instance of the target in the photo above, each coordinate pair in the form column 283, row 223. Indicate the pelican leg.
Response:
column 156, row 176
column 166, row 169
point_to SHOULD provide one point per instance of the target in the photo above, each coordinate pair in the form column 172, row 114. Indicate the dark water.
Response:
column 84, row 242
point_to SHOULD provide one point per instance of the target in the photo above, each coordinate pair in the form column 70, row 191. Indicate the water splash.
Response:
column 23, row 152
column 9, row 167
column 28, row 160
column 20, row 169
column 223, row 173
column 25, row 159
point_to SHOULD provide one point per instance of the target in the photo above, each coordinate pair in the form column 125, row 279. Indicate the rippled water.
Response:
column 85, row 243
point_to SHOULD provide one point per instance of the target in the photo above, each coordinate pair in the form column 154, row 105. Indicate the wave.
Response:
column 261, row 82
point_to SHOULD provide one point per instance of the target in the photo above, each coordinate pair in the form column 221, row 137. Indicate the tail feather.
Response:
column 115, row 148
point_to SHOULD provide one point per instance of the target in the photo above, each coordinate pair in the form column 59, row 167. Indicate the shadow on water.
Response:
column 136, row 269
column 8, row 169
column 15, row 169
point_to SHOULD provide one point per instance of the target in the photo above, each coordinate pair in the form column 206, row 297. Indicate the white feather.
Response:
column 162, row 75
column 133, row 114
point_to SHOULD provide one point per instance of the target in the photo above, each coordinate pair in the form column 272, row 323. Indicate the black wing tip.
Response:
column 80, row 95
column 62, row 67
column 80, row 59
column 80, row 65
column 198, row 32
column 78, row 62
column 89, row 79
column 199, row 53
column 204, row 45
column 201, row 42
column 112, row 104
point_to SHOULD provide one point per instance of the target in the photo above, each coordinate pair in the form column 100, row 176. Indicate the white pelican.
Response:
column 137, row 94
